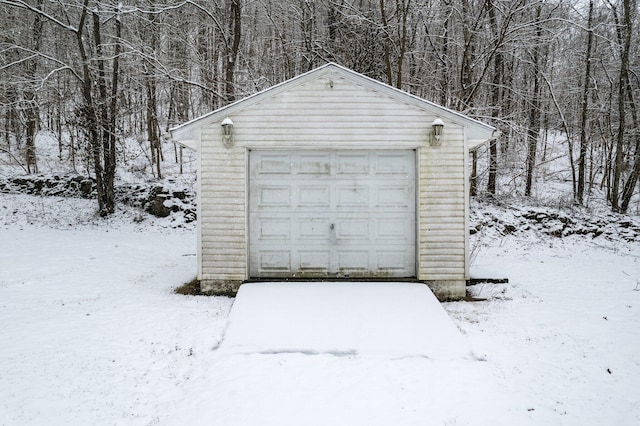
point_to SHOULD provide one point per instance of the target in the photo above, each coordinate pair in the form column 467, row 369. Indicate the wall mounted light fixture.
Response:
column 436, row 132
column 227, row 132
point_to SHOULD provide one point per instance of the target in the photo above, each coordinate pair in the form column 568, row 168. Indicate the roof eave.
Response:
column 474, row 141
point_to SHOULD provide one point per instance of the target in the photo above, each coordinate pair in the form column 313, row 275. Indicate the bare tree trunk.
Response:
column 32, row 112
column 495, row 102
column 622, row 92
column 113, row 108
column 444, row 75
column 473, row 179
column 584, row 144
column 179, row 90
column 634, row 176
column 233, row 47
column 153, row 135
column 307, row 27
column 90, row 115
column 465, row 100
column 105, row 149
column 534, row 108
column 385, row 43
column 58, row 118
column 72, row 151
column 153, row 128
column 107, row 115
column 402, row 7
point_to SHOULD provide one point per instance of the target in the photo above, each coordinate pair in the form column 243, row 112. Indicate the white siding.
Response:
column 442, row 229
column 221, row 212
column 332, row 112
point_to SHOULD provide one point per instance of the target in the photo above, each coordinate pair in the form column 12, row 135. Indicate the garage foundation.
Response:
column 443, row 290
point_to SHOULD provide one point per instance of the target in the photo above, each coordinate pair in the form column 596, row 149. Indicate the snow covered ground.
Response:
column 91, row 333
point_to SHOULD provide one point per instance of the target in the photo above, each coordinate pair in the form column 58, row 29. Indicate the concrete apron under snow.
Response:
column 344, row 319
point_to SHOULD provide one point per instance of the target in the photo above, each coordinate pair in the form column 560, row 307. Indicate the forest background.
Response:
column 559, row 79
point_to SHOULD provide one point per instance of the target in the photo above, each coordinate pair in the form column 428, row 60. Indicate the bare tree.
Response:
column 533, row 128
column 31, row 110
column 232, row 47
column 625, row 46
column 584, row 142
column 97, row 90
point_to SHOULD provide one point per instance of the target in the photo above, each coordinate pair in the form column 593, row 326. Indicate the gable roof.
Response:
column 477, row 132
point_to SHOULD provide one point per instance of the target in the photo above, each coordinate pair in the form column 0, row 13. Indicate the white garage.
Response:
column 342, row 213
column 332, row 175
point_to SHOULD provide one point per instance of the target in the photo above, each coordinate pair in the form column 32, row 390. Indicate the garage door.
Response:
column 343, row 214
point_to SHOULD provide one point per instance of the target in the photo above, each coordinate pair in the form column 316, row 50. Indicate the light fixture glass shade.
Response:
column 436, row 132
column 227, row 132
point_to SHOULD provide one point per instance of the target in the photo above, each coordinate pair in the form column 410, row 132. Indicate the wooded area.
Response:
column 542, row 71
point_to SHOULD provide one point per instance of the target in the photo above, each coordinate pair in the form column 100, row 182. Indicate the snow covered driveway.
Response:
column 342, row 318
column 338, row 353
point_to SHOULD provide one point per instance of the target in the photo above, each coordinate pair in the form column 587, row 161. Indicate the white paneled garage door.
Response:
column 332, row 214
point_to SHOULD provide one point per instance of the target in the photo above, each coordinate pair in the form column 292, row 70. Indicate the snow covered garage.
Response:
column 333, row 175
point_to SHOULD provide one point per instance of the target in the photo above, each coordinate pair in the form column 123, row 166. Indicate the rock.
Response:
column 508, row 229
column 86, row 187
column 190, row 216
column 37, row 187
column 157, row 206
column 21, row 182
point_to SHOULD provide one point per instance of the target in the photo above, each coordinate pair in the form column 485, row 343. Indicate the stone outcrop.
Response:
column 160, row 199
